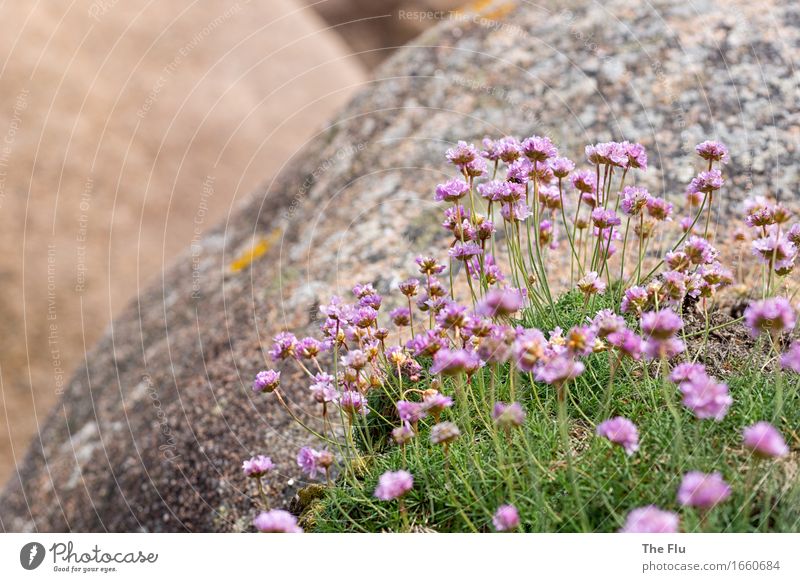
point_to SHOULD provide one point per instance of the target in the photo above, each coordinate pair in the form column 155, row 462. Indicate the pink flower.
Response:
column 506, row 518
column 499, row 303
column 276, row 521
column 257, row 466
column 791, row 359
column 508, row 415
column 712, row 151
column 703, row 490
column 620, row 431
column 393, row 485
column 651, row 519
column 266, row 381
column 774, row 315
column 764, row 440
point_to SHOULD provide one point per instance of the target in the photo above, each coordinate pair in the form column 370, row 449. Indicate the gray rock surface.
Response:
column 151, row 434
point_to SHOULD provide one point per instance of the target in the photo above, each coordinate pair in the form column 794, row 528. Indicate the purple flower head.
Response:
column 607, row 322
column 635, row 300
column 590, row 284
column 453, row 362
column 712, row 151
column 257, row 466
column 520, row 171
column 561, row 167
column 611, row 153
column 678, row 261
column 559, row 369
column 409, row 287
column 581, row 340
column 703, row 490
column 706, row 397
column 775, row 250
column 400, row 316
column 393, row 485
column 323, row 388
column 764, row 440
column 659, row 208
column 429, row 266
column 539, row 149
column 605, row 218
column 529, row 349
column 687, row 373
column 657, row 349
column 462, row 251
column 451, row 191
column 627, row 342
column 435, row 403
column 791, row 359
column 773, row 316
column 637, row 155
column 452, row 316
column 634, row 200
column 365, row 317
column 707, row 182
column 283, row 346
column 276, row 521
column 308, row 348
column 550, row 197
column 353, row 402
column 411, row 412
column 793, row 234
column 462, row 154
column 620, row 431
column 312, row 461
column 372, row 300
column 508, row 416
column 475, row 168
column 506, row 518
column 494, row 191
column 506, row 149
column 515, row 212
column 266, row 381
column 500, row 303
column 402, row 434
column 651, row 519
column 661, row 325
column 584, row 181
column 427, row 343
column 444, row 433
column 760, row 216
column 700, row 251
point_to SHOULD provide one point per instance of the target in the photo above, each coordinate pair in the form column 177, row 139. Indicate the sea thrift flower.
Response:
column 284, row 346
column 257, row 466
column 707, row 182
column 591, row 284
column 323, row 388
column 539, row 149
column 607, row 322
column 444, row 433
column 312, row 461
column 687, row 372
column 451, row 191
column 276, row 521
column 620, row 431
column 662, row 324
column 508, row 416
column 434, row 403
column 699, row 250
column 635, row 300
column 637, row 155
column 393, row 485
column 308, row 348
column 409, row 287
column 402, row 434
column 659, row 208
column 400, row 316
column 410, row 411
column 764, row 440
column 506, row 518
column 453, row 362
column 561, row 167
column 712, row 151
column 462, row 154
column 266, row 381
column 627, row 342
column 584, row 181
column 634, row 199
column 429, row 266
column 706, row 397
column 773, row 316
column 651, row 519
column 791, row 359
column 605, row 218
column 776, row 251
column 500, row 303
column 352, row 403
column 703, row 490
column 529, row 349
column 559, row 369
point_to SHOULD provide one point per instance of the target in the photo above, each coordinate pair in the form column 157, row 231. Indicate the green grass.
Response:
column 528, row 467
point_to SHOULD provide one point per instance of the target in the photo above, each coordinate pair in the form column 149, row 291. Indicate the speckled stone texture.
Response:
column 151, row 434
